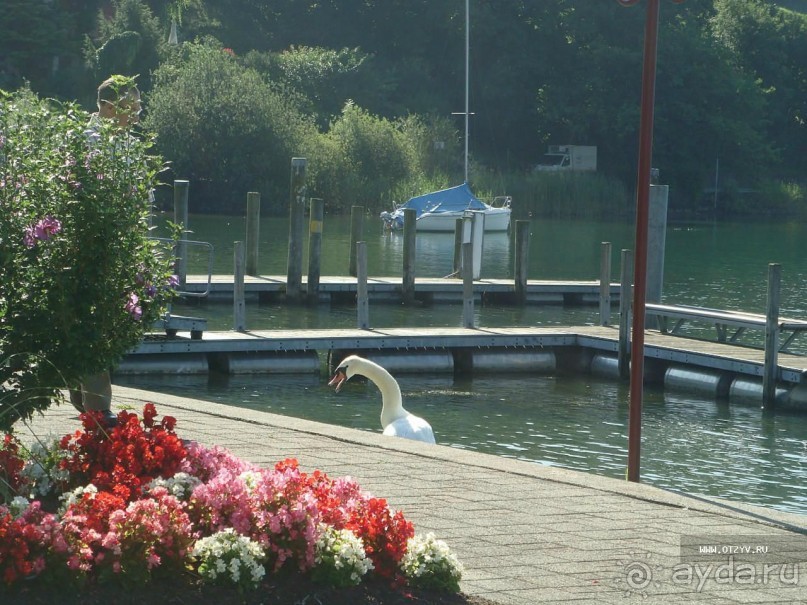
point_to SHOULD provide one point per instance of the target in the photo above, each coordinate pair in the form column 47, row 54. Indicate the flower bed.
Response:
column 135, row 504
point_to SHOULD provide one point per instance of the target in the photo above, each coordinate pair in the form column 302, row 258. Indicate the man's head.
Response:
column 119, row 100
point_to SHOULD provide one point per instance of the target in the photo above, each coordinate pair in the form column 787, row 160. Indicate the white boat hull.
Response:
column 496, row 219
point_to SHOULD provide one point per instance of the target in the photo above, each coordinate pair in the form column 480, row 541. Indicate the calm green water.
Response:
column 690, row 444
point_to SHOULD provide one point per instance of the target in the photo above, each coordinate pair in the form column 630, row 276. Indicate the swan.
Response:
column 395, row 420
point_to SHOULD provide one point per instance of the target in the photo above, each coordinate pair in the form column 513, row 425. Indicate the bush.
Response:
column 80, row 282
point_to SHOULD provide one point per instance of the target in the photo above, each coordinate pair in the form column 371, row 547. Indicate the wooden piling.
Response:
column 605, row 284
column 458, row 246
column 315, row 219
column 362, row 298
column 356, row 235
column 409, row 241
column 239, row 304
column 181, row 188
column 625, row 298
column 253, row 231
column 294, row 275
column 467, row 285
column 770, row 370
column 522, row 246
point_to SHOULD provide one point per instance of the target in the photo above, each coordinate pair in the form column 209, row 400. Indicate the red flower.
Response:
column 384, row 534
column 122, row 460
column 10, row 463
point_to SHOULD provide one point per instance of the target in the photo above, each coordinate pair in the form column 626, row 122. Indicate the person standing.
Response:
column 119, row 101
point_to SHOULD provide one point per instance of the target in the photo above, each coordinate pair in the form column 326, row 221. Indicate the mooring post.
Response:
column 457, row 246
column 315, row 219
column 294, row 274
column 625, row 298
column 656, row 243
column 181, row 218
column 253, row 231
column 409, row 241
column 362, row 298
column 478, row 240
column 467, row 285
column 605, row 284
column 771, row 369
column 522, row 245
column 239, row 305
column 356, row 234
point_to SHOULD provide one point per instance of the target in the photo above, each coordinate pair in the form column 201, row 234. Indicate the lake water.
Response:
column 690, row 444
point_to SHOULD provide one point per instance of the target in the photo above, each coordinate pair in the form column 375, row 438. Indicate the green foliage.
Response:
column 731, row 84
column 81, row 281
column 225, row 128
column 359, row 158
column 130, row 42
column 326, row 78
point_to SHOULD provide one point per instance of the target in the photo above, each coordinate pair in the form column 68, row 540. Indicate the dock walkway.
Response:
column 428, row 289
column 526, row 533
column 661, row 350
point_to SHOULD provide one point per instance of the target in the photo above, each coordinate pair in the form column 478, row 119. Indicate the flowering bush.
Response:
column 133, row 503
column 340, row 558
column 229, row 558
column 81, row 280
column 429, row 563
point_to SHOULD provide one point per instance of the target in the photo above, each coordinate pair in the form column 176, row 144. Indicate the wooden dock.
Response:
column 572, row 348
column 389, row 289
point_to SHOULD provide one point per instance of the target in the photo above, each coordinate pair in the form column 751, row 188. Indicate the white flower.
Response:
column 41, row 471
column 339, row 558
column 18, row 506
column 430, row 562
column 226, row 554
column 69, row 498
column 181, row 485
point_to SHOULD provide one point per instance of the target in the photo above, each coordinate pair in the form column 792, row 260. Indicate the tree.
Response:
column 225, row 128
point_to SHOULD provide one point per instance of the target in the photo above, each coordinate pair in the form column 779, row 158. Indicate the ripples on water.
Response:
column 689, row 444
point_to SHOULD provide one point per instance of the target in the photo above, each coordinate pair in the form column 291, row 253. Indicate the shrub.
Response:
column 80, row 281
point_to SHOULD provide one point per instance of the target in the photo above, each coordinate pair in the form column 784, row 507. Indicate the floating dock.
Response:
column 390, row 289
column 714, row 369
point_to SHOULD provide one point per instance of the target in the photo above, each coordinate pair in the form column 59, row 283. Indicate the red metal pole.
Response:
column 640, row 257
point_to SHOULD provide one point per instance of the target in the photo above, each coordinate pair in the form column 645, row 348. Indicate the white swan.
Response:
column 395, row 420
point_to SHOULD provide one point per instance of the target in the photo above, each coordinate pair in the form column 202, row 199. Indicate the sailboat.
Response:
column 439, row 210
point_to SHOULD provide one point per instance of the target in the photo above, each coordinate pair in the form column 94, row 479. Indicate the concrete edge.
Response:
column 639, row 491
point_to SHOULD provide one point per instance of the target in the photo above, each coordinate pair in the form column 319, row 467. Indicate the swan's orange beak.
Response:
column 339, row 378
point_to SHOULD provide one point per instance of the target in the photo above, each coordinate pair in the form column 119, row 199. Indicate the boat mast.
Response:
column 467, row 75
column 466, row 113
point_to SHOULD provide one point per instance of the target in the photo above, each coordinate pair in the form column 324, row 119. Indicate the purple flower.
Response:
column 151, row 290
column 133, row 307
column 173, row 281
column 42, row 231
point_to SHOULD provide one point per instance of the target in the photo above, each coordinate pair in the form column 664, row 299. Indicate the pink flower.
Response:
column 133, row 307
column 42, row 231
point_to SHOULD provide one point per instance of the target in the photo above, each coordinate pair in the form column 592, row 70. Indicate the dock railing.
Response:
column 779, row 333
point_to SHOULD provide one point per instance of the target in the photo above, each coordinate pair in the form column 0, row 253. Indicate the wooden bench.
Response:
column 723, row 321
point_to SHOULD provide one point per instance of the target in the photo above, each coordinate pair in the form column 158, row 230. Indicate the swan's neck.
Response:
column 392, row 406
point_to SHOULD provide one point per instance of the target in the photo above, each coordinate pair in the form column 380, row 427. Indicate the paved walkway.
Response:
column 526, row 533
